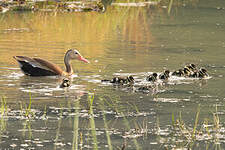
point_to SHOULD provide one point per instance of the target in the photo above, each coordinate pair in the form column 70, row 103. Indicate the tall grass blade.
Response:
column 170, row 6
column 92, row 121
column 76, row 127
column 196, row 122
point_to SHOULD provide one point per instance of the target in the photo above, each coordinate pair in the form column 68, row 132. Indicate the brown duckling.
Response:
column 65, row 83
column 165, row 75
column 152, row 77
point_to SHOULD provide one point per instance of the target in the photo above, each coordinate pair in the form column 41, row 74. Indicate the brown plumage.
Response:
column 41, row 67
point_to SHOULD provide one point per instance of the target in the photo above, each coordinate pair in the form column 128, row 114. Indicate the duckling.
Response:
column 121, row 80
column 203, row 73
column 152, row 77
column 187, row 72
column 129, row 79
column 165, row 75
column 65, row 83
column 178, row 73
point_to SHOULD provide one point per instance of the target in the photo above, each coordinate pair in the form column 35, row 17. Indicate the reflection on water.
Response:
column 122, row 41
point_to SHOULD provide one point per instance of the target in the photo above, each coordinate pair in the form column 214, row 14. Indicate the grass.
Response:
column 92, row 121
column 200, row 131
column 182, row 135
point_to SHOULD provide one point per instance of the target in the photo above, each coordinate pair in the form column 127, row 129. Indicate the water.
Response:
column 122, row 41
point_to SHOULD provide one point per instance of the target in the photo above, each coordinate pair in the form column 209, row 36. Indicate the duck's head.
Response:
column 191, row 67
column 75, row 54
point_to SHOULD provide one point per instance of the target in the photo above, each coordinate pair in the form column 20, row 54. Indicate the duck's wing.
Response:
column 49, row 66
column 37, row 66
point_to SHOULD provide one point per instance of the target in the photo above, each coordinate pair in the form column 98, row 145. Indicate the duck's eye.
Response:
column 75, row 53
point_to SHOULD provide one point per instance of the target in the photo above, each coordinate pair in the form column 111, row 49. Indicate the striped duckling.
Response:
column 152, row 77
column 165, row 75
column 65, row 83
column 201, row 73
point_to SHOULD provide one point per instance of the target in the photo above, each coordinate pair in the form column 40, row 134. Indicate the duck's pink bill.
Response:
column 83, row 59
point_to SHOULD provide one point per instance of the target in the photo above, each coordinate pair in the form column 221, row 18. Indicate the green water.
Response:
column 122, row 41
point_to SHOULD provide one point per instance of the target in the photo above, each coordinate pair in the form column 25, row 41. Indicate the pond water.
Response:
column 122, row 41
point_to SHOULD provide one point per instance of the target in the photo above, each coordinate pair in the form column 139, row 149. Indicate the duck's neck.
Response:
column 69, row 68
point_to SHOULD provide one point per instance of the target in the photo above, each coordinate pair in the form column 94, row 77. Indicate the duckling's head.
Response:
column 130, row 78
column 203, row 70
column 155, row 75
column 167, row 72
column 193, row 66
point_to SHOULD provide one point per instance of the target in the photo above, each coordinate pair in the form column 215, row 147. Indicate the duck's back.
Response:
column 37, row 66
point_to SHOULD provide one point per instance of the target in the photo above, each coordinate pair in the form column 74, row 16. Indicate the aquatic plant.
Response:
column 199, row 132
column 92, row 121
column 76, row 129
column 4, row 107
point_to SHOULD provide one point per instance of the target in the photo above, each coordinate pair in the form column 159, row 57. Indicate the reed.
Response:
column 198, row 130
column 4, row 108
column 76, row 128
column 92, row 121
column 28, row 111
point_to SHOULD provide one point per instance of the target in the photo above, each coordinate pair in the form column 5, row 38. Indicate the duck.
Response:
column 65, row 83
column 152, row 77
column 41, row 67
column 165, row 75
column 178, row 73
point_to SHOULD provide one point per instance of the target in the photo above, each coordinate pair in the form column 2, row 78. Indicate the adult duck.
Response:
column 41, row 67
